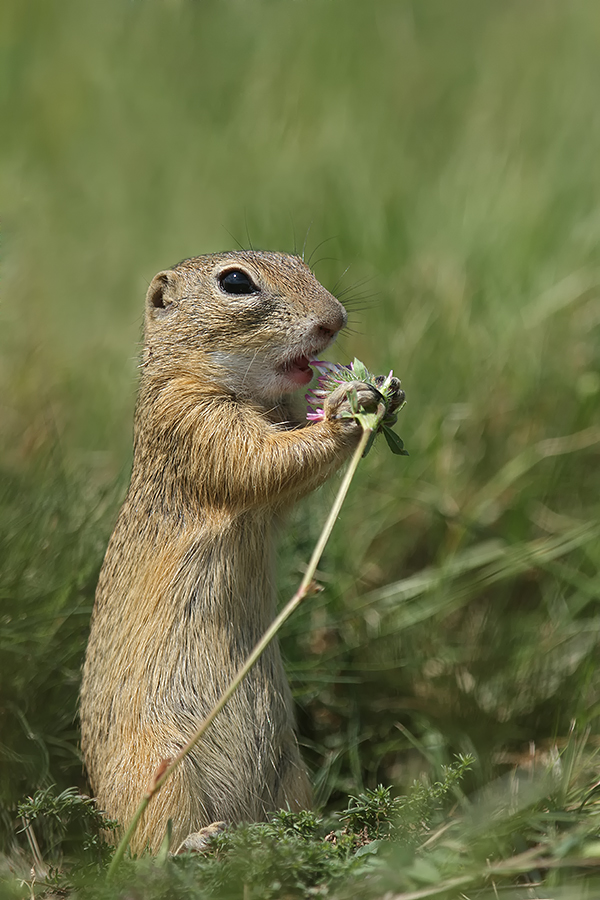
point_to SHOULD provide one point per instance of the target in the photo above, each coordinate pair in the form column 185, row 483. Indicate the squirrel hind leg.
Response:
column 294, row 790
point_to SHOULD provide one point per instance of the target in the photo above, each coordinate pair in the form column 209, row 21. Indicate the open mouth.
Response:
column 298, row 370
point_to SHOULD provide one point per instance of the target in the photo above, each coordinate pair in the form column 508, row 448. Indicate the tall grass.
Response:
column 447, row 154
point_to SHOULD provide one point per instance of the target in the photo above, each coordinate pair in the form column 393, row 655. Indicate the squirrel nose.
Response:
column 334, row 323
column 326, row 332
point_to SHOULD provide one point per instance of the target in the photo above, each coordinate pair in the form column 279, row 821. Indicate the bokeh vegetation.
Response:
column 439, row 162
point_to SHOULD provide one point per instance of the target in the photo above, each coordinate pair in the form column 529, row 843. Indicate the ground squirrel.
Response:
column 186, row 588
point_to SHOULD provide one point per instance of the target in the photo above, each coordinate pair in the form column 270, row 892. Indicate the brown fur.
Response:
column 186, row 588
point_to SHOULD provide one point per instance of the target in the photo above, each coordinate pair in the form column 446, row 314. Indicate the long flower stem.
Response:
column 165, row 769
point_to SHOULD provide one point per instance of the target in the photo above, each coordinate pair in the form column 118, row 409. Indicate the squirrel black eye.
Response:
column 237, row 282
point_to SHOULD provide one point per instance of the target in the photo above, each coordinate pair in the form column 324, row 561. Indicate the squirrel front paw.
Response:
column 339, row 408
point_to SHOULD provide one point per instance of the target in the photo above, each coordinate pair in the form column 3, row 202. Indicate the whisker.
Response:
column 368, row 301
column 360, row 295
column 248, row 367
column 334, row 288
column 353, row 287
column 293, row 232
column 247, row 231
column 320, row 245
column 324, row 259
column 341, row 345
column 305, row 240
column 233, row 237
column 357, row 309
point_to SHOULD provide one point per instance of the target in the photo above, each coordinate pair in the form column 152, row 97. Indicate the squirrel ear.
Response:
column 160, row 297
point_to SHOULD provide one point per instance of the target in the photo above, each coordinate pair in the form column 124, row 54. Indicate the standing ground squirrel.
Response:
column 186, row 588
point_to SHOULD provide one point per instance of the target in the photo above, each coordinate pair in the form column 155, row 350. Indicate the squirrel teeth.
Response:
column 298, row 370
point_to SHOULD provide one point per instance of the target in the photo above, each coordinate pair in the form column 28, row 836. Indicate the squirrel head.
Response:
column 247, row 321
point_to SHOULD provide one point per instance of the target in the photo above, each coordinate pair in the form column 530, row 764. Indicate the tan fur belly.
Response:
column 190, row 610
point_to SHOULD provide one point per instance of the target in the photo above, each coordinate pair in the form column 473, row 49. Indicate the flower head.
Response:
column 332, row 375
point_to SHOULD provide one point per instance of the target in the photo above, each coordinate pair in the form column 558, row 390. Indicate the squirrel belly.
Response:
column 164, row 651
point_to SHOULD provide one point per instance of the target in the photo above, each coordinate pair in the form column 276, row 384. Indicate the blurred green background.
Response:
column 447, row 153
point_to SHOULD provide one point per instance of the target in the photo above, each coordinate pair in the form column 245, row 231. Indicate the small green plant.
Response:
column 68, row 822
column 528, row 828
column 373, row 811
column 407, row 817
column 305, row 823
